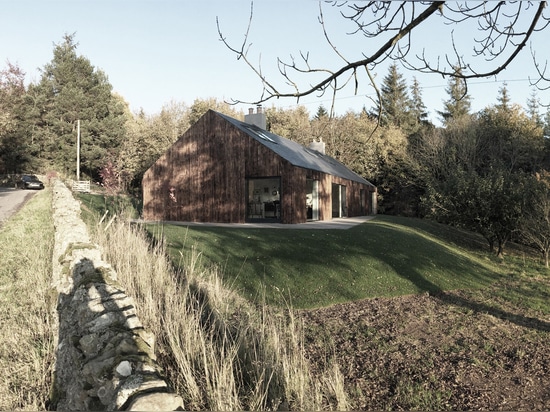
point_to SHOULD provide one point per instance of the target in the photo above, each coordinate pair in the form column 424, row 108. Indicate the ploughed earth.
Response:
column 460, row 350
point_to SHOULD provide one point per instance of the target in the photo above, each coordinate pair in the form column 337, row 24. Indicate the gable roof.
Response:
column 295, row 153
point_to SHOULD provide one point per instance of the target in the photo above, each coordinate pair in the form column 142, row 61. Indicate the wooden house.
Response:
column 225, row 170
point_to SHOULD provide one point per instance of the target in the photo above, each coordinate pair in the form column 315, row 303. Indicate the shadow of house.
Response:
column 227, row 171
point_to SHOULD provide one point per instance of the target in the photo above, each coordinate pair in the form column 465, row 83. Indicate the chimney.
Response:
column 318, row 145
column 257, row 119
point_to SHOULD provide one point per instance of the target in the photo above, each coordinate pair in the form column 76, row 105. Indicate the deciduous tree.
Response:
column 535, row 222
column 13, row 127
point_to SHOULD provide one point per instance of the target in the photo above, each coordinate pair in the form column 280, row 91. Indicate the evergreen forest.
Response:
column 488, row 172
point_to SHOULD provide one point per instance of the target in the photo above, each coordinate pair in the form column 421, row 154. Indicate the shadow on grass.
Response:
column 419, row 278
column 384, row 257
column 520, row 320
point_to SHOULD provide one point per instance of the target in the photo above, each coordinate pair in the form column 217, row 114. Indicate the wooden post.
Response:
column 78, row 150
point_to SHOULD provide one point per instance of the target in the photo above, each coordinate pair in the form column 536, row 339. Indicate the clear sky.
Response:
column 157, row 51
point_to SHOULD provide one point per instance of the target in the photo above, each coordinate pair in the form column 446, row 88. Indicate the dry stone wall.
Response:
column 105, row 359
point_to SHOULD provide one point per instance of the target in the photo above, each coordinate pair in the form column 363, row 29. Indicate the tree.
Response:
column 13, row 145
column 503, row 98
column 458, row 105
column 533, row 106
column 201, row 106
column 292, row 123
column 535, row 223
column 321, row 113
column 498, row 207
column 418, row 108
column 510, row 141
column 386, row 29
column 480, row 169
column 394, row 106
column 71, row 89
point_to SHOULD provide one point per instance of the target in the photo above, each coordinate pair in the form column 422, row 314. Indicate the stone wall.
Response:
column 105, row 359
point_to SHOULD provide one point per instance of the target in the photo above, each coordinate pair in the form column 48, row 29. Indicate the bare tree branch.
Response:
column 505, row 28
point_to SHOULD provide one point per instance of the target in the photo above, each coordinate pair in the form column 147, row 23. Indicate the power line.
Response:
column 339, row 98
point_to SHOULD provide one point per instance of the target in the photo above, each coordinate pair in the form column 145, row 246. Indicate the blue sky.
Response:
column 159, row 51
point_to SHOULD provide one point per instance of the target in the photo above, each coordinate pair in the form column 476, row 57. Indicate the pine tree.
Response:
column 418, row 108
column 321, row 113
column 503, row 98
column 533, row 105
column 395, row 102
column 459, row 103
column 71, row 89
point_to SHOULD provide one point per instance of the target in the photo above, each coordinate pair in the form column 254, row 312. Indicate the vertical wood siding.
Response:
column 206, row 171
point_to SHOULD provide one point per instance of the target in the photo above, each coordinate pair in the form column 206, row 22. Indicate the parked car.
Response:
column 30, row 182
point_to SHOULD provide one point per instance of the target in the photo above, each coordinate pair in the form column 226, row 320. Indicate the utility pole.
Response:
column 78, row 150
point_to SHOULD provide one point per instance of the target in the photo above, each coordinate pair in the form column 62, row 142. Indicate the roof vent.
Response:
column 257, row 119
column 319, row 146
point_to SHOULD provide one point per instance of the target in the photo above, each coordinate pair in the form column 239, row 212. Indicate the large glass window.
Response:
column 312, row 199
column 264, row 198
column 339, row 207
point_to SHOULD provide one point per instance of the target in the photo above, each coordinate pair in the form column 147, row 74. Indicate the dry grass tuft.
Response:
column 219, row 351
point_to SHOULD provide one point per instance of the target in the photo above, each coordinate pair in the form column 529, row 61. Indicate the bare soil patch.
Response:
column 461, row 350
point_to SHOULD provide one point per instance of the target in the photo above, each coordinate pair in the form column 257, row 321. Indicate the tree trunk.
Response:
column 500, row 250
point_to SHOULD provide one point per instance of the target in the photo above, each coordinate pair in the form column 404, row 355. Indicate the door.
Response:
column 339, row 207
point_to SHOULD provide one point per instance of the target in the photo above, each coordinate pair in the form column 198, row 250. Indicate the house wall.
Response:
column 202, row 178
column 353, row 191
column 353, row 201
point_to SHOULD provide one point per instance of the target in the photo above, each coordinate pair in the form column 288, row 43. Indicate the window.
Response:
column 264, row 199
column 260, row 133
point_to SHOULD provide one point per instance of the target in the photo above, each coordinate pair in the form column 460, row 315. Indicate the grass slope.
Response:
column 388, row 256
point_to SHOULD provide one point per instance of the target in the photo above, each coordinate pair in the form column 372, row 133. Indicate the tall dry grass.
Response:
column 219, row 351
column 27, row 307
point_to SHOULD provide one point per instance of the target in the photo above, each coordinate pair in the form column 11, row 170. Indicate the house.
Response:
column 225, row 170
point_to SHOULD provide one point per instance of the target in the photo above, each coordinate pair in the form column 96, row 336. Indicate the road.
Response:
column 11, row 200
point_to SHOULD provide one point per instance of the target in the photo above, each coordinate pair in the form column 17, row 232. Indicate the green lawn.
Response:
column 387, row 256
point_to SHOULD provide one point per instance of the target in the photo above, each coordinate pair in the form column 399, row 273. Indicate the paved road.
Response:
column 11, row 200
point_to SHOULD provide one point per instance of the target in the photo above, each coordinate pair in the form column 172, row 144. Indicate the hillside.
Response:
column 388, row 256
column 450, row 328
column 418, row 315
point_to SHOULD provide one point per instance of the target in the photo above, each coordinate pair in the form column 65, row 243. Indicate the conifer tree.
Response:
column 459, row 102
column 321, row 113
column 394, row 107
column 547, row 123
column 503, row 98
column 418, row 108
column 533, row 105
column 71, row 89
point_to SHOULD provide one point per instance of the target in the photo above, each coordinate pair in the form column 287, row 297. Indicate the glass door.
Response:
column 263, row 199
column 312, row 199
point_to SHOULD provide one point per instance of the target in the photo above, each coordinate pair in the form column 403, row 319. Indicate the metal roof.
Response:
column 295, row 153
